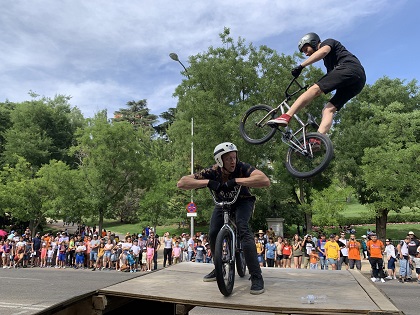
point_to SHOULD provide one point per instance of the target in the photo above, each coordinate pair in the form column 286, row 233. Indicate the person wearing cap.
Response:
column 375, row 249
column 36, row 250
column 404, row 258
column 263, row 241
column 390, row 253
column 412, row 250
column 332, row 252
column 94, row 247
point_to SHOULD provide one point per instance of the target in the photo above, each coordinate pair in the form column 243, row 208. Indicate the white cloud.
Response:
column 106, row 53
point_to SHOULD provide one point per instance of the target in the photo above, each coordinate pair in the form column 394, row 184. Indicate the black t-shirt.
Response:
column 36, row 243
column 307, row 247
column 215, row 173
column 412, row 246
column 338, row 55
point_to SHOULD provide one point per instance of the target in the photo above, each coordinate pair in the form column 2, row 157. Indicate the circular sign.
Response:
column 191, row 207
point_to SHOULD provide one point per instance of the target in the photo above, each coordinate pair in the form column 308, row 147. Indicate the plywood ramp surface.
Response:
column 345, row 292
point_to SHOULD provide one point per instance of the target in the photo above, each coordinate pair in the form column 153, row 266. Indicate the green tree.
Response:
column 137, row 114
column 221, row 85
column 377, row 143
column 113, row 159
column 34, row 196
column 41, row 130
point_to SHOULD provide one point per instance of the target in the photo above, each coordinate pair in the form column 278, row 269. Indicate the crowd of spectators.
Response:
column 89, row 249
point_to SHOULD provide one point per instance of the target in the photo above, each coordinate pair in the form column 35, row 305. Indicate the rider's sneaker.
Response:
column 315, row 144
column 282, row 121
column 257, row 286
column 210, row 277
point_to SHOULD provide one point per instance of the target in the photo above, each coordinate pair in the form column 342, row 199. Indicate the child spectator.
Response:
column 50, row 255
column 80, row 255
column 150, row 254
column 144, row 259
column 130, row 261
column 100, row 257
column 416, row 262
column 62, row 253
column 44, row 255
column 200, row 252
column 313, row 259
column 208, row 254
column 176, row 253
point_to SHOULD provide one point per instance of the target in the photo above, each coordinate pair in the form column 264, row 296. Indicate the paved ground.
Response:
column 26, row 288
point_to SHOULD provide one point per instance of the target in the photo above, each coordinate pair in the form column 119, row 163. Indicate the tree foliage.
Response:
column 377, row 143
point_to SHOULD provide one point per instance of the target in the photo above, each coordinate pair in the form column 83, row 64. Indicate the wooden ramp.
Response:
column 179, row 288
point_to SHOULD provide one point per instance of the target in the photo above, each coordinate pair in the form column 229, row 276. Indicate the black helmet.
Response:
column 312, row 39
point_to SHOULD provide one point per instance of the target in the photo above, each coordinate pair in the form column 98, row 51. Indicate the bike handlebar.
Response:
column 225, row 202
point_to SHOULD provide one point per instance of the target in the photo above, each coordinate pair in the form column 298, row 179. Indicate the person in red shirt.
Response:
column 375, row 249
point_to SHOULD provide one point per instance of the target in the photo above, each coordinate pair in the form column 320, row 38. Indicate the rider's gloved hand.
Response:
column 214, row 185
column 229, row 184
column 296, row 71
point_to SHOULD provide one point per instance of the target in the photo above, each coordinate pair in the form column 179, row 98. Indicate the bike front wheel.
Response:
column 307, row 162
column 224, row 262
column 253, row 126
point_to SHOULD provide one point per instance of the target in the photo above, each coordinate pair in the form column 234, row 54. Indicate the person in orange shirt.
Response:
column 354, row 252
column 313, row 259
column 375, row 249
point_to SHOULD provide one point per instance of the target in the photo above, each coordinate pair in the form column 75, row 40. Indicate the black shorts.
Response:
column 348, row 81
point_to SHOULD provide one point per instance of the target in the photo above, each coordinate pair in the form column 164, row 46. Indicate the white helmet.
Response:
column 221, row 149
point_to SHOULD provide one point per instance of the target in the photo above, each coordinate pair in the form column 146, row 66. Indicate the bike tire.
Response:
column 224, row 262
column 253, row 126
column 306, row 166
column 240, row 261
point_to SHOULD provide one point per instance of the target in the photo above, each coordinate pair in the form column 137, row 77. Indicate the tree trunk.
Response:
column 381, row 220
column 308, row 221
column 100, row 223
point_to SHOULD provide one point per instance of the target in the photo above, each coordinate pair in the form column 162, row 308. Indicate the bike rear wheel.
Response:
column 224, row 262
column 318, row 156
column 240, row 261
column 253, row 126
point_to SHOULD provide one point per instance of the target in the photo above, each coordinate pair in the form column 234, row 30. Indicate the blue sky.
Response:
column 106, row 53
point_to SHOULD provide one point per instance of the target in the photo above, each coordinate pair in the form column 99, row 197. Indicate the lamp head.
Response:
column 174, row 56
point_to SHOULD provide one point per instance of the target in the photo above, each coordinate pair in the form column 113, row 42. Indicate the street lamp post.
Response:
column 174, row 57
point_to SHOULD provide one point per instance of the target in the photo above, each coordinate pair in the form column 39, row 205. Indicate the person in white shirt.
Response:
column 344, row 252
column 391, row 258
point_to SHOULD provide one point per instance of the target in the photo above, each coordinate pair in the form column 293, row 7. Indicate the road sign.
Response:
column 191, row 209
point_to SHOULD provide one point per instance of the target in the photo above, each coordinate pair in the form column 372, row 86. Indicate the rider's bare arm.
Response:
column 188, row 182
column 317, row 56
column 257, row 179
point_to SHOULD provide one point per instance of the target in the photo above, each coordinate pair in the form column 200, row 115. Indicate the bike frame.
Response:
column 288, row 136
column 227, row 218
